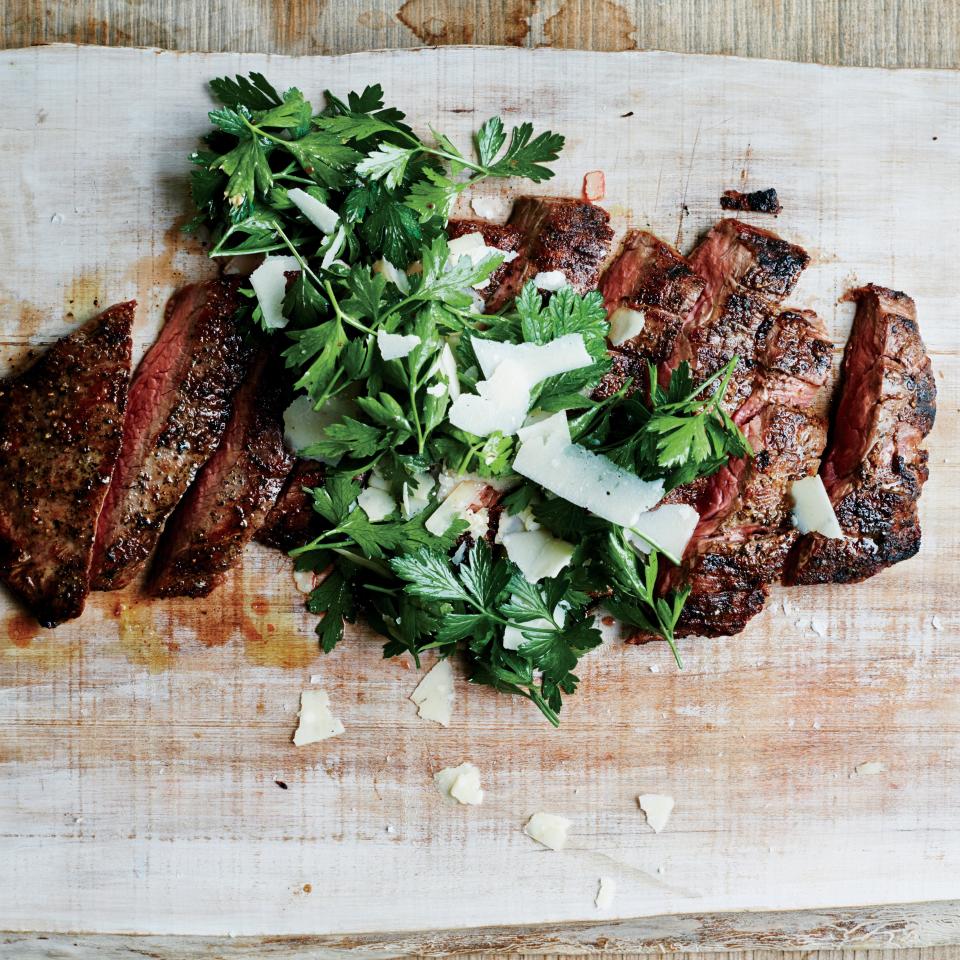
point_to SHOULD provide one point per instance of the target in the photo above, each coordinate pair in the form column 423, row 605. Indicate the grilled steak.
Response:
column 180, row 401
column 759, row 201
column 571, row 236
column 501, row 236
column 876, row 467
column 651, row 277
column 61, row 423
column 292, row 521
column 232, row 494
column 745, row 533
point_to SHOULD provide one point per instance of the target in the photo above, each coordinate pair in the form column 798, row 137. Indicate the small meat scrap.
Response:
column 61, row 424
column 759, row 201
column 876, row 465
column 292, row 521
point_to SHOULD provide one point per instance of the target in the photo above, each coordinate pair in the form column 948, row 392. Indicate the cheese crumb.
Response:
column 625, row 324
column 657, row 808
column 460, row 784
column 812, row 510
column 395, row 346
column 434, row 694
column 605, row 893
column 316, row 721
column 548, row 829
column 551, row 280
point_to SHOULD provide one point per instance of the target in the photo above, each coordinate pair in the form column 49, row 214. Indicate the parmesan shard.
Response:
column 316, row 211
column 269, row 282
column 548, row 829
column 396, row 346
column 460, row 784
column 316, row 721
column 434, row 694
column 551, row 280
column 538, row 360
column 537, row 553
column 500, row 405
column 606, row 891
column 456, row 506
column 812, row 510
column 625, row 324
column 394, row 274
column 377, row 504
column 447, row 368
column 668, row 528
column 657, row 808
column 303, row 426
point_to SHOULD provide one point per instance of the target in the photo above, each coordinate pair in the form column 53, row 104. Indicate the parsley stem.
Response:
column 345, row 317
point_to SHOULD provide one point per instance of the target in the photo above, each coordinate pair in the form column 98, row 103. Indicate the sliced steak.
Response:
column 559, row 234
column 759, row 201
column 61, row 424
column 745, row 533
column 651, row 277
column 292, row 521
column 502, row 236
column 180, row 401
column 232, row 494
column 876, row 467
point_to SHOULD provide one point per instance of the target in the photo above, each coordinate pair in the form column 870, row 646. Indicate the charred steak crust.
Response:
column 292, row 522
column 232, row 494
column 757, row 201
column 875, row 468
column 653, row 278
column 61, row 424
column 180, row 402
column 502, row 236
column 559, row 233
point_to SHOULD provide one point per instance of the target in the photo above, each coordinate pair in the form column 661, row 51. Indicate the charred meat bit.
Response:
column 292, row 522
column 876, row 467
column 759, row 201
column 232, row 494
column 560, row 234
column 180, row 402
column 61, row 425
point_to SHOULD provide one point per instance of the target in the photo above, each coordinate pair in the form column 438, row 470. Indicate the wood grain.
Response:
column 891, row 33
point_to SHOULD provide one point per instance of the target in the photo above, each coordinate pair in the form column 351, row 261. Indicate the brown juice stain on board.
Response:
column 23, row 639
column 597, row 25
column 295, row 23
column 457, row 21
column 144, row 640
column 20, row 630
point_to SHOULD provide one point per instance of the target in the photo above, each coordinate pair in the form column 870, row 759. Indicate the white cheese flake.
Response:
column 586, row 479
column 460, row 784
column 548, row 829
column 269, row 283
column 625, row 324
column 316, row 211
column 539, row 360
column 395, row 346
column 303, row 426
column 434, row 694
column 500, row 404
column 668, row 528
column 316, row 721
column 812, row 510
column 537, row 553
column 492, row 208
column 455, row 506
column 657, row 808
column 416, row 498
column 447, row 368
column 304, row 580
column 377, row 504
column 551, row 281
column 394, row 274
column 606, row 891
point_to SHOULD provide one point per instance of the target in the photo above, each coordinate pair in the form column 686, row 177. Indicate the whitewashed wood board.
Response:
column 139, row 746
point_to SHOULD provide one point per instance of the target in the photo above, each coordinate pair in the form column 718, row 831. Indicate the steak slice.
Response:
column 61, row 424
column 292, row 522
column 559, row 233
column 744, row 534
column 654, row 279
column 502, row 236
column 232, row 494
column 875, row 468
column 180, row 401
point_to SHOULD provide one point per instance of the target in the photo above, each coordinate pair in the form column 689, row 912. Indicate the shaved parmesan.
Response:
column 657, row 808
column 513, row 637
column 668, row 528
column 434, row 694
column 303, row 426
column 316, row 721
column 551, row 281
column 500, row 405
column 394, row 274
column 812, row 511
column 539, row 361
column 317, row 212
column 417, row 498
column 377, row 504
column 455, row 506
column 606, row 892
column 547, row 428
column 586, row 479
column 548, row 829
column 537, row 553
column 447, row 368
column 460, row 784
column 625, row 324
column 305, row 581
column 491, row 208
column 395, row 346
column 463, row 246
column 269, row 283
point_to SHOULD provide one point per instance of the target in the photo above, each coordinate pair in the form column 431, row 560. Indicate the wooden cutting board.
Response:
column 144, row 749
